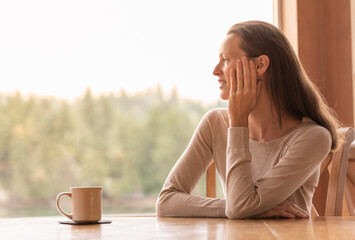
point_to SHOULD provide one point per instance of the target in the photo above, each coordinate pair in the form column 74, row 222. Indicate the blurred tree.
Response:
column 127, row 143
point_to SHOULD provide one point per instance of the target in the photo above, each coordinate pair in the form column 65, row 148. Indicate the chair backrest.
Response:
column 211, row 181
column 328, row 196
column 352, row 151
column 350, row 183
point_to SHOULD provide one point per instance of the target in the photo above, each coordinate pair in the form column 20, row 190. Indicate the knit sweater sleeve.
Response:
column 175, row 199
column 245, row 198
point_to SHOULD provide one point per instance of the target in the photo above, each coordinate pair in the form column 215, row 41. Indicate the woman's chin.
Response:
column 224, row 96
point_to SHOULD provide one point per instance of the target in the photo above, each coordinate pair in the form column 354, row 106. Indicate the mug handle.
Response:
column 64, row 213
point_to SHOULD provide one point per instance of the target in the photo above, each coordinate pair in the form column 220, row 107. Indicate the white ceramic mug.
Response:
column 85, row 204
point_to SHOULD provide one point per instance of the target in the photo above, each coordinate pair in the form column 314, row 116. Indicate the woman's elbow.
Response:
column 161, row 206
column 161, row 211
column 235, row 212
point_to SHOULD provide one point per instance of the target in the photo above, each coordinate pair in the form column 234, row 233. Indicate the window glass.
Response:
column 105, row 93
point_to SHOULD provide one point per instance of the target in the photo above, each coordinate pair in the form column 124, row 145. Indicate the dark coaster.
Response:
column 85, row 223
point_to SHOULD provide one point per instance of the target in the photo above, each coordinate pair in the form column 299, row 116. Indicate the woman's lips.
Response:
column 222, row 82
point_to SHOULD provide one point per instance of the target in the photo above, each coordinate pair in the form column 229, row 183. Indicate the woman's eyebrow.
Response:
column 227, row 53
column 223, row 53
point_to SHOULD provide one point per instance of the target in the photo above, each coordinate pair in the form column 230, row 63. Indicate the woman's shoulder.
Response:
column 217, row 115
column 313, row 133
column 215, row 119
column 309, row 127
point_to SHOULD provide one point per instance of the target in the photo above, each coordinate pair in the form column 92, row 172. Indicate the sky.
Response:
column 60, row 48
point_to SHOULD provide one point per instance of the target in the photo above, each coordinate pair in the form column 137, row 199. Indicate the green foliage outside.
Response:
column 126, row 143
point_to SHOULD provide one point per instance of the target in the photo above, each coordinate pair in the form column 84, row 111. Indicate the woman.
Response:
column 268, row 145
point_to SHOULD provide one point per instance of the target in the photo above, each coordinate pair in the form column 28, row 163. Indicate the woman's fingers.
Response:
column 246, row 74
column 240, row 79
column 294, row 209
column 233, row 82
column 275, row 213
column 286, row 214
column 299, row 212
column 253, row 78
column 243, row 92
column 285, row 209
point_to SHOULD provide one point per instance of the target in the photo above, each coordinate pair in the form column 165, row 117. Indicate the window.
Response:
column 104, row 93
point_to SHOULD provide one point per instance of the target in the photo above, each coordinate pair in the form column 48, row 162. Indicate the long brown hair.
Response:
column 291, row 90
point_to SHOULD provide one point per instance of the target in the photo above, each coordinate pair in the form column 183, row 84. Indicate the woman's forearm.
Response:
column 178, row 204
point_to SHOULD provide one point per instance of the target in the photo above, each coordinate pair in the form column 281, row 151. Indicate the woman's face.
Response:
column 228, row 55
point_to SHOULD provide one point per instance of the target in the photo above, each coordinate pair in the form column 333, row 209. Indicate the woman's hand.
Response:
column 244, row 91
column 285, row 209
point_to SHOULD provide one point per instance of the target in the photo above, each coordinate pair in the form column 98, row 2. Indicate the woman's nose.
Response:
column 217, row 71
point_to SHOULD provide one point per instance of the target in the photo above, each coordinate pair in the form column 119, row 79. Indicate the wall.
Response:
column 320, row 31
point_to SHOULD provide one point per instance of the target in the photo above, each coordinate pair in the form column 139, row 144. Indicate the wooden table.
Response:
column 179, row 228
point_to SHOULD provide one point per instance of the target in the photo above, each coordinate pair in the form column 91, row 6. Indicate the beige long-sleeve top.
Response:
column 255, row 176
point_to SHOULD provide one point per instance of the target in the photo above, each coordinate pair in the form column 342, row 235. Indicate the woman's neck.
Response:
column 264, row 124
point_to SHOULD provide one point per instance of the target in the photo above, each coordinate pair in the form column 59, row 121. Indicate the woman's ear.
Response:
column 262, row 64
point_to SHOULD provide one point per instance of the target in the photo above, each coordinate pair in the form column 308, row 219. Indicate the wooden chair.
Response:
column 211, row 181
column 328, row 196
column 350, row 183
